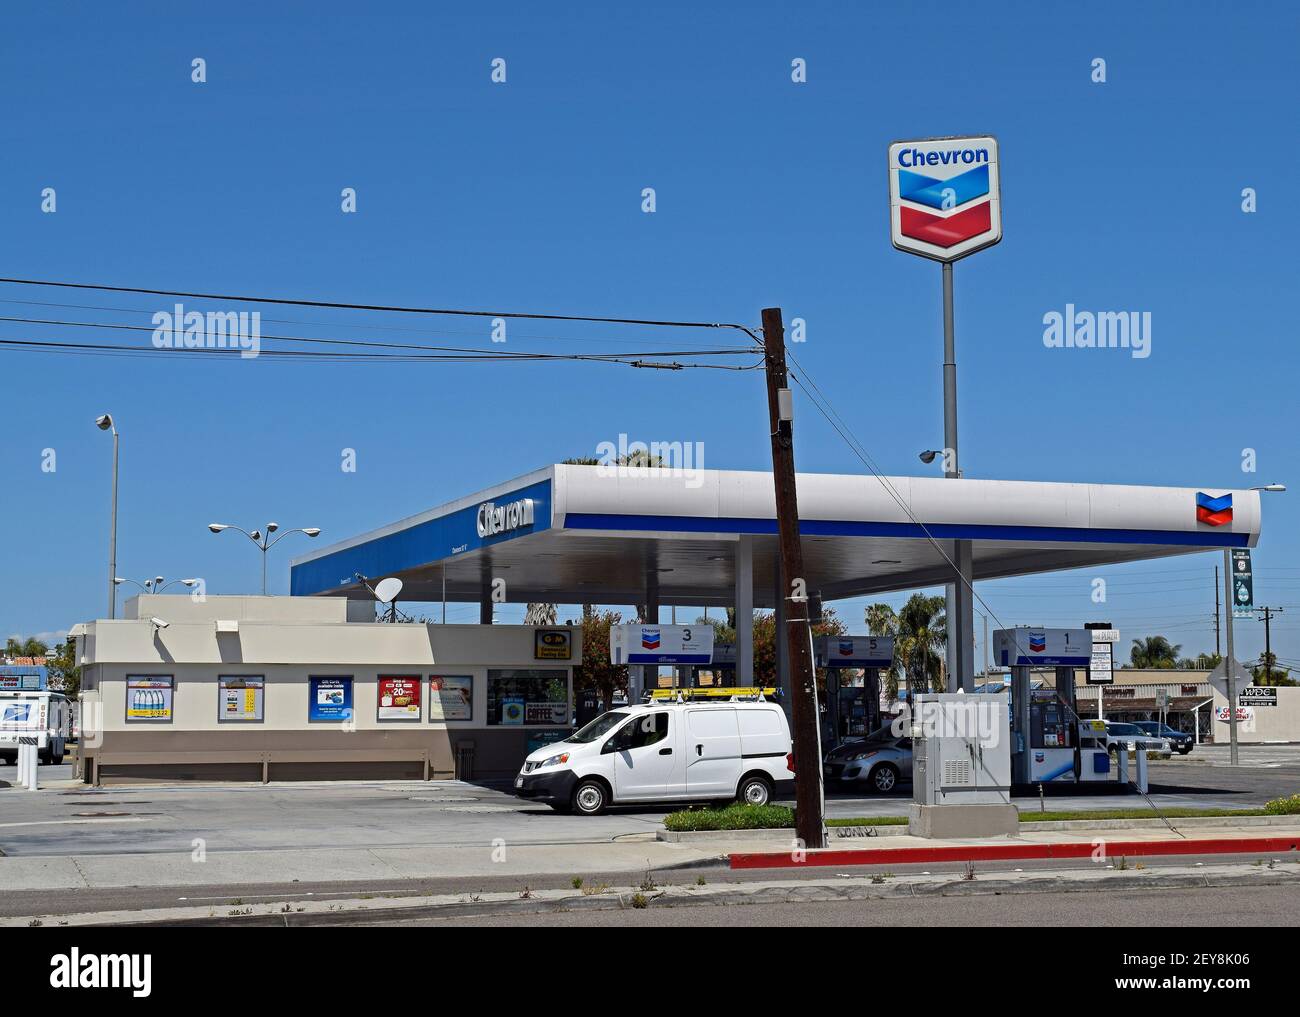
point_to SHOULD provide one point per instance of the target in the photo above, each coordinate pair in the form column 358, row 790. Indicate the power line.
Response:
column 502, row 354
column 394, row 308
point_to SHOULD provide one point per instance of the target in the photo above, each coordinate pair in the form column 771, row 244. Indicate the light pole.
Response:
column 264, row 541
column 1229, row 663
column 105, row 423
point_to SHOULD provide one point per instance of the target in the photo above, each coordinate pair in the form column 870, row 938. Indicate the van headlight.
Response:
column 563, row 757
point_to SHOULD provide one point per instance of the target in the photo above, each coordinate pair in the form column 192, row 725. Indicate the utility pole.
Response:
column 1268, row 613
column 809, row 827
column 1216, row 611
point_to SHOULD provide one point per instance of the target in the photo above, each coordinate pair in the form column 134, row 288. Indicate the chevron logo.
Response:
column 650, row 639
column 944, row 196
column 941, row 231
column 1037, row 642
column 1213, row 511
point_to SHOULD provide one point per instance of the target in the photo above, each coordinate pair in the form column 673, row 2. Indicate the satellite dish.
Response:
column 386, row 590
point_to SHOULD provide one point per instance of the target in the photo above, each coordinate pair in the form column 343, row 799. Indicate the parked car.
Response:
column 665, row 752
column 1179, row 741
column 880, row 761
column 1131, row 738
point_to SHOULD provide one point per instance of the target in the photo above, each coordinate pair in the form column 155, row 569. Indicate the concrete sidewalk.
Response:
column 66, row 872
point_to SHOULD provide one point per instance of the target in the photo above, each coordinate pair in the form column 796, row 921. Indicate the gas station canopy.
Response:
column 627, row 535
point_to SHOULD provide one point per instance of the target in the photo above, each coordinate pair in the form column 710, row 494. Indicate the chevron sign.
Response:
column 944, row 196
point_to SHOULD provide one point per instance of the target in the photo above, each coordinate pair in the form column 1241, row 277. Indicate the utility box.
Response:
column 961, row 763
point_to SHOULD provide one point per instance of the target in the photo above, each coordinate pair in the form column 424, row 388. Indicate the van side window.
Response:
column 640, row 732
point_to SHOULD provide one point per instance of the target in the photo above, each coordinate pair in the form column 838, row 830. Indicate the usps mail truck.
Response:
column 43, row 715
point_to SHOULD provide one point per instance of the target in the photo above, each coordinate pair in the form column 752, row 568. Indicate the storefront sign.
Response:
column 1245, row 714
column 399, row 697
column 149, row 697
column 552, row 644
column 494, row 519
column 22, row 677
column 240, row 697
column 1254, row 695
column 329, row 699
column 451, row 697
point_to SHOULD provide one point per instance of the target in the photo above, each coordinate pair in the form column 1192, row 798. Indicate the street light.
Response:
column 928, row 455
column 264, row 542
column 1229, row 663
column 154, row 585
column 105, row 423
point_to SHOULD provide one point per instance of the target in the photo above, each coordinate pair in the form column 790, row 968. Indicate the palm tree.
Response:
column 922, row 638
column 29, row 647
column 540, row 614
column 1154, row 652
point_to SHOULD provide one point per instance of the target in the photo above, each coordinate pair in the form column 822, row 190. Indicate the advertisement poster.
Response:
column 399, row 697
column 451, row 697
column 149, row 697
column 552, row 644
column 512, row 710
column 329, row 699
column 539, row 738
column 239, row 697
column 1243, row 585
column 546, row 713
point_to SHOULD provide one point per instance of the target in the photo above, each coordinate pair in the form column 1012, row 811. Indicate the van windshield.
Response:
column 598, row 728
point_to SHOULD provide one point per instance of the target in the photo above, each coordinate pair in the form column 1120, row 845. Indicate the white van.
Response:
column 665, row 752
column 45, row 716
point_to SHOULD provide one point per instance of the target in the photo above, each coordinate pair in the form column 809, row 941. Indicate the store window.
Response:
column 520, row 696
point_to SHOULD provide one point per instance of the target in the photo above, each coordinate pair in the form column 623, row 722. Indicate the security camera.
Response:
column 158, row 623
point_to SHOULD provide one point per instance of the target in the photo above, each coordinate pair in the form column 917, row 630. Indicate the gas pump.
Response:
column 1049, row 741
column 853, row 711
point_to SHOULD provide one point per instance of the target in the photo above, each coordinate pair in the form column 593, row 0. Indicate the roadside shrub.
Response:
column 1283, row 806
column 732, row 817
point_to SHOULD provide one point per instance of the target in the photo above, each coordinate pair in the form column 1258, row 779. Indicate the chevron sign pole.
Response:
column 945, row 203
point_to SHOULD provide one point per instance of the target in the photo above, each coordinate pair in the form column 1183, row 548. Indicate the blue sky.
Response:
column 1117, row 196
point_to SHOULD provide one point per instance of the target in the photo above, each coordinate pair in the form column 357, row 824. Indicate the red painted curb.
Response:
column 1011, row 851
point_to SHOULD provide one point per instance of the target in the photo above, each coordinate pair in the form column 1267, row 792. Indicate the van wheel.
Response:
column 589, row 798
column 884, row 778
column 754, row 791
